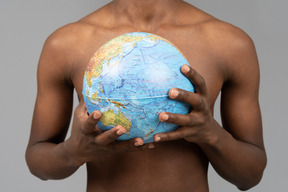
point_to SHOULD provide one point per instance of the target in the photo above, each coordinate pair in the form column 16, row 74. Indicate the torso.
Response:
column 171, row 166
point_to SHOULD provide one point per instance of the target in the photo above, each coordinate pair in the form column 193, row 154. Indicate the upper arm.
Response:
column 53, row 107
column 240, row 110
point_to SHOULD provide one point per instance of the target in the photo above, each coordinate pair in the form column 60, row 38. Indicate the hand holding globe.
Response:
column 88, row 142
column 198, row 126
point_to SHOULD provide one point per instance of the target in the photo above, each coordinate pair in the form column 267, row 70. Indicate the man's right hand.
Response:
column 87, row 141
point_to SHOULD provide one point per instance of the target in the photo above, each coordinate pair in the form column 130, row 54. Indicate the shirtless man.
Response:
column 222, row 59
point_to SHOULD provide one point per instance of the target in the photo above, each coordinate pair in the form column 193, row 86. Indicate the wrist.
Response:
column 70, row 156
column 212, row 137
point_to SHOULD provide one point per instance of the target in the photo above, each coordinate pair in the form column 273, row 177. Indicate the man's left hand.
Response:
column 196, row 126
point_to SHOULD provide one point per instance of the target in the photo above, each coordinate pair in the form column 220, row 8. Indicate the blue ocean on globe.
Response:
column 128, row 80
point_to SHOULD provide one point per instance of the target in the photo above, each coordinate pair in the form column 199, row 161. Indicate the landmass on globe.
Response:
column 128, row 80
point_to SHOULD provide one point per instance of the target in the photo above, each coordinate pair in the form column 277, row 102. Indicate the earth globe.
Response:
column 128, row 80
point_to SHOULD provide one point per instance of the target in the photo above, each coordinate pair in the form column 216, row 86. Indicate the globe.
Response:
column 128, row 80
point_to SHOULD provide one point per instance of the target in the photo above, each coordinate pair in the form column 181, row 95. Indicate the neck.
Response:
column 145, row 14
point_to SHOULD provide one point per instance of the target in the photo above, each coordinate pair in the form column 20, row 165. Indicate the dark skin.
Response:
column 222, row 60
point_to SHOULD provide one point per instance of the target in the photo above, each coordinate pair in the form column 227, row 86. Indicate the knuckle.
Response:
column 190, row 122
column 113, row 136
column 201, row 102
column 165, row 137
column 173, row 118
column 181, row 133
column 83, row 128
column 177, row 134
column 183, row 94
column 99, row 141
column 201, row 120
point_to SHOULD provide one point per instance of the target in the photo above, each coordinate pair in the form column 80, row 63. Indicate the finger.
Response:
column 110, row 136
column 195, row 78
column 179, row 133
column 90, row 123
column 178, row 119
column 193, row 99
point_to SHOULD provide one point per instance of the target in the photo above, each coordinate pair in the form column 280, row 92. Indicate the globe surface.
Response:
column 128, row 80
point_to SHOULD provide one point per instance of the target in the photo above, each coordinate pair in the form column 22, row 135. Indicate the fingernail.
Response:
column 174, row 93
column 164, row 117
column 138, row 143
column 157, row 139
column 185, row 68
column 120, row 131
column 96, row 115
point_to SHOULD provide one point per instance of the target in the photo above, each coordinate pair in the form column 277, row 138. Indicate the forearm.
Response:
column 50, row 161
column 238, row 162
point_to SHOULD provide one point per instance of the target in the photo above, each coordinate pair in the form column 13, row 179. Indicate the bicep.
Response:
column 53, row 107
column 240, row 110
column 241, row 116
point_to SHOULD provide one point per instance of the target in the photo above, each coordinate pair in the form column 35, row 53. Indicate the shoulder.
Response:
column 69, row 37
column 66, row 45
column 69, row 48
column 62, row 49
column 232, row 47
column 78, row 31
column 221, row 37
column 73, row 38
